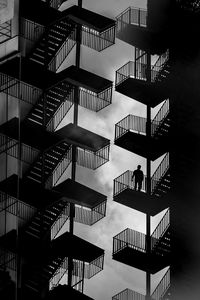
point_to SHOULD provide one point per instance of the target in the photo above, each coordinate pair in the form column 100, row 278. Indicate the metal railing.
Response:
column 138, row 70
column 160, row 172
column 128, row 294
column 60, row 272
column 31, row 30
column 8, row 259
column 132, row 16
column 60, row 222
column 88, row 216
column 159, row 65
column 163, row 286
column 129, row 238
column 156, row 123
column 92, row 160
column 98, row 40
column 95, row 101
column 94, row 267
column 61, row 112
column 19, row 89
column 124, row 182
column 59, row 170
column 16, row 207
column 134, row 123
column 160, row 230
column 20, row 151
column 63, row 51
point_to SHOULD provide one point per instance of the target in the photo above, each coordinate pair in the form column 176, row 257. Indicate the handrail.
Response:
column 162, row 287
column 129, row 238
column 124, row 181
column 71, row 36
column 160, row 117
column 59, row 222
column 133, row 15
column 160, row 172
column 130, row 122
column 128, row 294
column 160, row 229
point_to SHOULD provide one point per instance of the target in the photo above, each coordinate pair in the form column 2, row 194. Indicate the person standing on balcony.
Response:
column 139, row 176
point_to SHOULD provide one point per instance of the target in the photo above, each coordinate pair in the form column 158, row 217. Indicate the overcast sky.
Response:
column 116, row 276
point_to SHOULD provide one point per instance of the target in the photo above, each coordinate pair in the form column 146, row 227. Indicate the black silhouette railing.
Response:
column 19, row 89
column 160, row 230
column 128, row 294
column 20, row 151
column 160, row 117
column 130, row 123
column 8, row 259
column 63, row 51
column 124, row 182
column 31, row 30
column 60, row 272
column 139, row 124
column 98, row 40
column 160, row 172
column 95, row 101
column 92, row 160
column 14, row 206
column 138, row 70
column 90, row 216
column 59, row 170
column 162, row 288
column 131, row 16
column 60, row 222
column 129, row 238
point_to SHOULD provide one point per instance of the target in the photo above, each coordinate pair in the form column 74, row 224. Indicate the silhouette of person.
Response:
column 139, row 176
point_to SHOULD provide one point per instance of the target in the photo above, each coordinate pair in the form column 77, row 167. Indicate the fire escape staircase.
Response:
column 52, row 106
column 133, row 27
column 53, row 36
column 129, row 247
column 43, row 220
column 125, row 193
column 48, row 260
column 56, row 35
column 131, row 80
column 130, row 134
column 162, row 290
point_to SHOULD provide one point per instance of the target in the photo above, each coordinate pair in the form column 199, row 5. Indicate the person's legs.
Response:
column 139, row 185
column 136, row 184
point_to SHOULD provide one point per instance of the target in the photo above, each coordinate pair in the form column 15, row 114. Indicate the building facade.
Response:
column 36, row 201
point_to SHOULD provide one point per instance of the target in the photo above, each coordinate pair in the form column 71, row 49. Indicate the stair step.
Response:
column 35, row 60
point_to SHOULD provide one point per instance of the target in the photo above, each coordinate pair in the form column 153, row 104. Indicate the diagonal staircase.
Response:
column 160, row 125
column 162, row 289
column 46, row 163
column 54, row 37
column 161, row 69
column 49, row 103
column 160, row 238
column 42, row 221
column 161, row 179
column 37, row 277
